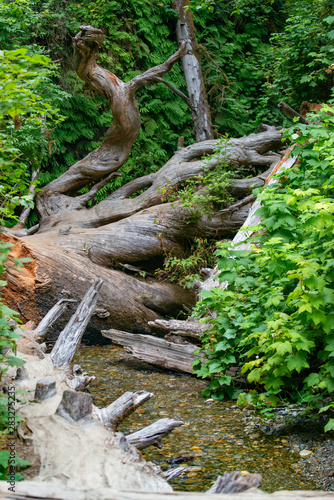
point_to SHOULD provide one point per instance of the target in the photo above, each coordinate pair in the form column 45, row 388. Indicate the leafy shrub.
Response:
column 276, row 318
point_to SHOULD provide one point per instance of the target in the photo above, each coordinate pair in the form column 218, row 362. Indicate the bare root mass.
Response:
column 125, row 237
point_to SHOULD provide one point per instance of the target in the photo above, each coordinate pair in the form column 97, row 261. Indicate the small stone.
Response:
column 284, row 441
column 45, row 388
column 254, row 436
column 305, row 453
column 209, row 401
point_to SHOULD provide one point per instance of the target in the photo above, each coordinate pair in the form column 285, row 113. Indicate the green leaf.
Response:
column 4, row 457
column 296, row 362
column 330, row 425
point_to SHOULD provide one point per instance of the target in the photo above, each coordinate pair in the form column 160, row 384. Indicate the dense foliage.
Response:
column 276, row 318
column 253, row 54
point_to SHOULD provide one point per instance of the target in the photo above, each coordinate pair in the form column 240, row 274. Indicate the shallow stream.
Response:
column 218, row 436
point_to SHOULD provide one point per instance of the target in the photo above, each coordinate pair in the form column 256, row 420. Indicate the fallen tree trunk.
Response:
column 192, row 71
column 181, row 328
column 69, row 339
column 154, row 350
column 135, row 228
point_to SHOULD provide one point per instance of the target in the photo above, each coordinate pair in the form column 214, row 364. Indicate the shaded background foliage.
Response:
column 254, row 53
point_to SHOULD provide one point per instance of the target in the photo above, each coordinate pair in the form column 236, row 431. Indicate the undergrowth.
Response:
column 276, row 318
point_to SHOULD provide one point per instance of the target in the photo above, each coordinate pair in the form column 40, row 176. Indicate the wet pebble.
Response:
column 305, row 453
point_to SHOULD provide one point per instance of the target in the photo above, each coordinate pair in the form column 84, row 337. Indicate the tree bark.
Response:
column 192, row 71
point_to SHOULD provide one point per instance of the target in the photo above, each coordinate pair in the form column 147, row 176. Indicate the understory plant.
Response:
column 275, row 320
column 184, row 271
column 201, row 196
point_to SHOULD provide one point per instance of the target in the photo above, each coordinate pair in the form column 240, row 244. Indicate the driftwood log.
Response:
column 75, row 441
column 153, row 434
column 155, row 351
column 28, row 490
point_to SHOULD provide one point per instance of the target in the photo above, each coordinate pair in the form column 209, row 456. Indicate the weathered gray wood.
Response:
column 235, row 482
column 185, row 164
column 21, row 373
column 282, row 106
column 192, row 71
column 45, row 388
column 28, row 490
column 79, row 382
column 171, row 474
column 69, row 339
column 189, row 328
column 75, row 405
column 117, row 411
column 154, row 350
column 153, row 434
column 50, row 318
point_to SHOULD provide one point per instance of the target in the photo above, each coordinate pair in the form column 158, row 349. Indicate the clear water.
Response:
column 219, row 437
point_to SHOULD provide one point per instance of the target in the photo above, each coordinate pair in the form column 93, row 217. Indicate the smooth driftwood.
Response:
column 28, row 490
column 117, row 411
column 235, row 482
column 117, row 143
column 152, row 434
column 192, row 71
column 252, row 150
column 50, row 318
column 69, row 339
column 190, row 328
column 154, row 350
column 171, row 474
column 73, row 447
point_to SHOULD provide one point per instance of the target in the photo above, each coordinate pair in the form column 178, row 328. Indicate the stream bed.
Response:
column 218, row 436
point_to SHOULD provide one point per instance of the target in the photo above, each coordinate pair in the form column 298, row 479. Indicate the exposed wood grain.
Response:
column 117, row 411
column 36, row 490
column 155, row 350
column 69, row 339
column 152, row 434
